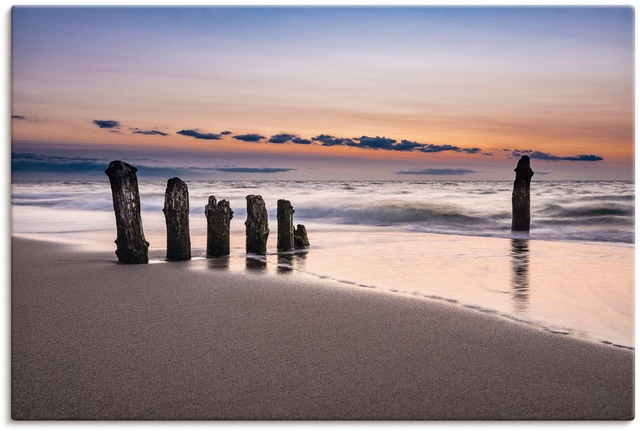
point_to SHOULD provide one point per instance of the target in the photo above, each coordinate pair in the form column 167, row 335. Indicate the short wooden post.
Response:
column 176, row 213
column 300, row 238
column 131, row 244
column 520, row 199
column 257, row 225
column 219, row 215
column 285, row 225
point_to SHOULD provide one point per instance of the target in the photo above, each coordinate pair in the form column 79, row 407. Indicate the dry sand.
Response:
column 94, row 339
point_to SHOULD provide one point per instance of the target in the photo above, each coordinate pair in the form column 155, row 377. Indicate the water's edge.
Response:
column 272, row 260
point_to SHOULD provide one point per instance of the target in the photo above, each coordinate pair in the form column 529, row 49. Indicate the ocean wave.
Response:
column 613, row 220
column 620, row 197
column 589, row 210
column 602, row 211
column 391, row 212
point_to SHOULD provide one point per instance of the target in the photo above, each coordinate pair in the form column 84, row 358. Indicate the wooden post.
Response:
column 300, row 238
column 176, row 214
column 257, row 225
column 285, row 225
column 219, row 215
column 131, row 244
column 520, row 199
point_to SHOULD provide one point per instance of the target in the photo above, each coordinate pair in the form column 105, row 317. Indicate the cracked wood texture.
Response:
column 257, row 225
column 131, row 244
column 219, row 215
column 176, row 213
column 285, row 225
column 520, row 198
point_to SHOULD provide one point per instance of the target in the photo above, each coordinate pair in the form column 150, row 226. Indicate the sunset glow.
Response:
column 463, row 88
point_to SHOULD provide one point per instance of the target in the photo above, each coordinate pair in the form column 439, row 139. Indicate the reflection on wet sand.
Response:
column 255, row 263
column 288, row 262
column 520, row 278
column 285, row 263
column 218, row 263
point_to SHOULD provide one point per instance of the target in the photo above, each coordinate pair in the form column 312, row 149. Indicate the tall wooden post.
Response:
column 176, row 213
column 285, row 225
column 219, row 215
column 131, row 244
column 257, row 225
column 520, row 199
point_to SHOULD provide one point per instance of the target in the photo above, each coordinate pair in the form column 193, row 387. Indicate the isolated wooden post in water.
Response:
column 520, row 199
column 176, row 214
column 285, row 225
column 300, row 239
column 257, row 225
column 131, row 244
column 219, row 215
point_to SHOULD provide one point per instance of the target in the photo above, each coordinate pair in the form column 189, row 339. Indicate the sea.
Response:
column 448, row 241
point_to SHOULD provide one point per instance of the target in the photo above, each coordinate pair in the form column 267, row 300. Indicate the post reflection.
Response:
column 218, row 263
column 520, row 277
column 285, row 263
column 255, row 263
column 301, row 258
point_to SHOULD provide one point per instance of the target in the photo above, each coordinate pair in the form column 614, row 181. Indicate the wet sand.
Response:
column 94, row 339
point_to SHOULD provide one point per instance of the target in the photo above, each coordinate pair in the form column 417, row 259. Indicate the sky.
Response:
column 387, row 93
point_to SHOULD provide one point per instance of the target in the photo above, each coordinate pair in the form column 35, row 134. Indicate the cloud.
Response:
column 29, row 163
column 539, row 155
column 367, row 142
column 29, row 118
column 330, row 141
column 301, row 141
column 281, row 138
column 251, row 137
column 136, row 131
column 439, row 171
column 474, row 151
column 194, row 133
column 377, row 143
column 431, row 148
column 405, row 145
column 107, row 124
column 583, row 158
column 388, row 144
column 253, row 170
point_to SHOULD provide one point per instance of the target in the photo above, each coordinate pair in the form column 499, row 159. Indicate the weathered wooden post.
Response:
column 300, row 238
column 520, row 199
column 131, row 244
column 285, row 225
column 257, row 225
column 219, row 215
column 176, row 214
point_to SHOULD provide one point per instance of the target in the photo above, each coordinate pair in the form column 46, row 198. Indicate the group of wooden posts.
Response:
column 133, row 248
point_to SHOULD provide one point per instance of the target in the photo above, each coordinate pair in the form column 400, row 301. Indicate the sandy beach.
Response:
column 97, row 340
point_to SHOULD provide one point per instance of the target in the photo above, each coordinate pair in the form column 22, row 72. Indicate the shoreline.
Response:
column 94, row 339
column 276, row 262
